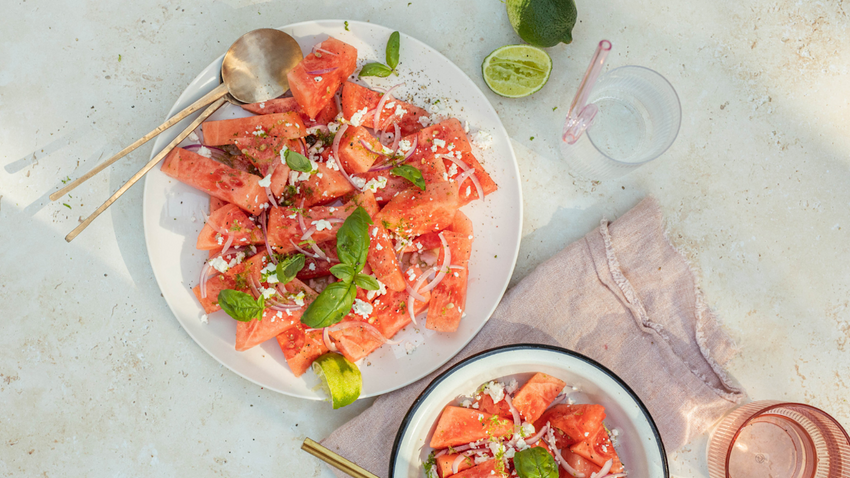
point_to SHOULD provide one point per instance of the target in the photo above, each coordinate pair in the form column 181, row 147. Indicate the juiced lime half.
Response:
column 340, row 378
column 515, row 71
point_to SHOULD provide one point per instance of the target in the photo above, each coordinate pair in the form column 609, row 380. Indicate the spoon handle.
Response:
column 208, row 98
column 180, row 137
column 335, row 460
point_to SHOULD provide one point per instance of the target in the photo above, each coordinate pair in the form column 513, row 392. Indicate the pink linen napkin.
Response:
column 624, row 297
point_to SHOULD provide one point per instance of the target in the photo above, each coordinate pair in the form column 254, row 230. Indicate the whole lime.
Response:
column 543, row 23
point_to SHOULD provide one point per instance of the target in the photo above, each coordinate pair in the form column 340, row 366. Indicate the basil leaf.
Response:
column 366, row 282
column 343, row 272
column 352, row 239
column 375, row 69
column 330, row 306
column 290, row 267
column 535, row 463
column 411, row 174
column 239, row 305
column 297, row 161
column 392, row 50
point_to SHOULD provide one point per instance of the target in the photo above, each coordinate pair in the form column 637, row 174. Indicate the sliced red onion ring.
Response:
column 326, row 338
column 317, row 48
column 322, row 72
column 381, row 105
column 320, row 254
column 338, row 101
column 396, row 137
column 337, row 139
column 412, row 148
column 414, row 290
column 559, row 399
column 203, row 280
column 534, row 439
column 371, row 329
column 466, row 168
column 307, row 235
column 217, row 154
column 514, row 412
column 217, row 229
column 303, row 146
column 444, row 267
column 366, row 145
column 557, row 453
column 604, row 470
column 458, row 461
column 269, row 251
column 253, row 285
column 302, row 251
column 268, row 189
column 300, row 217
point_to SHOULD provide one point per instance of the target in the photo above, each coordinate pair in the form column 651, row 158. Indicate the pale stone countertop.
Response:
column 98, row 379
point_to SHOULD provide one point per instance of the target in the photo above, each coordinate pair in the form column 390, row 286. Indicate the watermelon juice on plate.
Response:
column 417, row 126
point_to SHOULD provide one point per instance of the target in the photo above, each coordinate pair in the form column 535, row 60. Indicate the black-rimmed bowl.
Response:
column 639, row 444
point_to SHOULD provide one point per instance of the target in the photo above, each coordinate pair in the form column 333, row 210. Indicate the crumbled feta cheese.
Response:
column 205, row 152
column 361, row 308
column 439, row 142
column 379, row 247
column 374, row 184
column 357, row 118
column 382, row 289
column 299, row 299
column 263, row 105
column 389, row 105
column 399, row 111
column 424, row 121
column 283, row 154
column 322, row 224
column 521, row 444
column 333, row 127
column 496, row 390
column 259, row 131
column 404, row 145
column 409, row 347
column 466, row 403
column 193, row 137
column 466, row 126
column 266, row 181
column 482, row 139
column 331, row 163
column 317, row 79
column 312, row 266
column 219, row 264
column 204, row 319
column 468, row 190
column 358, row 182
column 452, row 170
column 267, row 293
column 527, row 429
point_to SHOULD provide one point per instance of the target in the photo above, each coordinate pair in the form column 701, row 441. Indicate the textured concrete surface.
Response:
column 98, row 379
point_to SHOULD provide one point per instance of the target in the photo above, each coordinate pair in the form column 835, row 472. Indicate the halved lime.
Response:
column 340, row 378
column 515, row 71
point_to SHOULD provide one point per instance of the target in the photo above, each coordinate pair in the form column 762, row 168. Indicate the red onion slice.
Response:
column 269, row 251
column 268, row 189
column 396, row 137
column 217, row 229
column 466, row 168
column 323, row 71
column 371, row 329
column 253, row 285
column 326, row 338
column 381, row 105
column 300, row 217
column 312, row 229
column 444, row 267
column 514, row 412
column 335, row 147
column 605, row 469
column 216, row 154
column 302, row 251
column 366, row 145
column 320, row 254
column 534, row 439
column 458, row 461
column 203, row 280
column 557, row 453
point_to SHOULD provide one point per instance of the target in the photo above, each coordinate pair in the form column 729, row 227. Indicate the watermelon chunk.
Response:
column 486, row 405
column 324, row 186
column 448, row 299
column 216, row 179
column 571, row 422
column 486, row 469
column 444, row 464
column 314, row 91
column 382, row 259
column 281, row 125
column 356, row 97
column 283, row 105
column 353, row 156
column 459, row 426
column 580, row 464
column 233, row 222
column 252, row 333
column 532, row 399
column 301, row 348
column 414, row 212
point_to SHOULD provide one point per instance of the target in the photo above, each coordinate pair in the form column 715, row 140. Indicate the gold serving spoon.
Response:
column 254, row 69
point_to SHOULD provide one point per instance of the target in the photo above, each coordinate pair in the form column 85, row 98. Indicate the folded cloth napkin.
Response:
column 622, row 296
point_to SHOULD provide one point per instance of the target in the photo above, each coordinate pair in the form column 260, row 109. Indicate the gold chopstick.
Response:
column 335, row 460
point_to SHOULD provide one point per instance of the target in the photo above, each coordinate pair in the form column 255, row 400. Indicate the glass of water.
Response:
column 637, row 117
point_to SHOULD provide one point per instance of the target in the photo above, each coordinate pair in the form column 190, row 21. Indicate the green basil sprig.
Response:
column 241, row 306
column 297, row 161
column 288, row 268
column 411, row 174
column 381, row 70
column 352, row 247
column 535, row 463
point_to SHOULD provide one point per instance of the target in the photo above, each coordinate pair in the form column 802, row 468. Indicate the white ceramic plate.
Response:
column 639, row 444
column 172, row 221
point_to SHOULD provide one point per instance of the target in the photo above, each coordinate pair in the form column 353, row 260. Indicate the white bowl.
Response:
column 639, row 444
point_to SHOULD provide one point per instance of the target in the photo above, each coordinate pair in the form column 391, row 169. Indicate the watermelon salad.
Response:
column 491, row 432
column 284, row 182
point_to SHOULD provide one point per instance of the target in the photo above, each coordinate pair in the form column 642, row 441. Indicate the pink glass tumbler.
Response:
column 775, row 439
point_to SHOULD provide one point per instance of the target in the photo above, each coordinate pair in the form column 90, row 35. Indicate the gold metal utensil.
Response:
column 335, row 460
column 254, row 69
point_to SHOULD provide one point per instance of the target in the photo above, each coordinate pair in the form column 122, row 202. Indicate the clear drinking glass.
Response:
column 638, row 117
column 777, row 439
